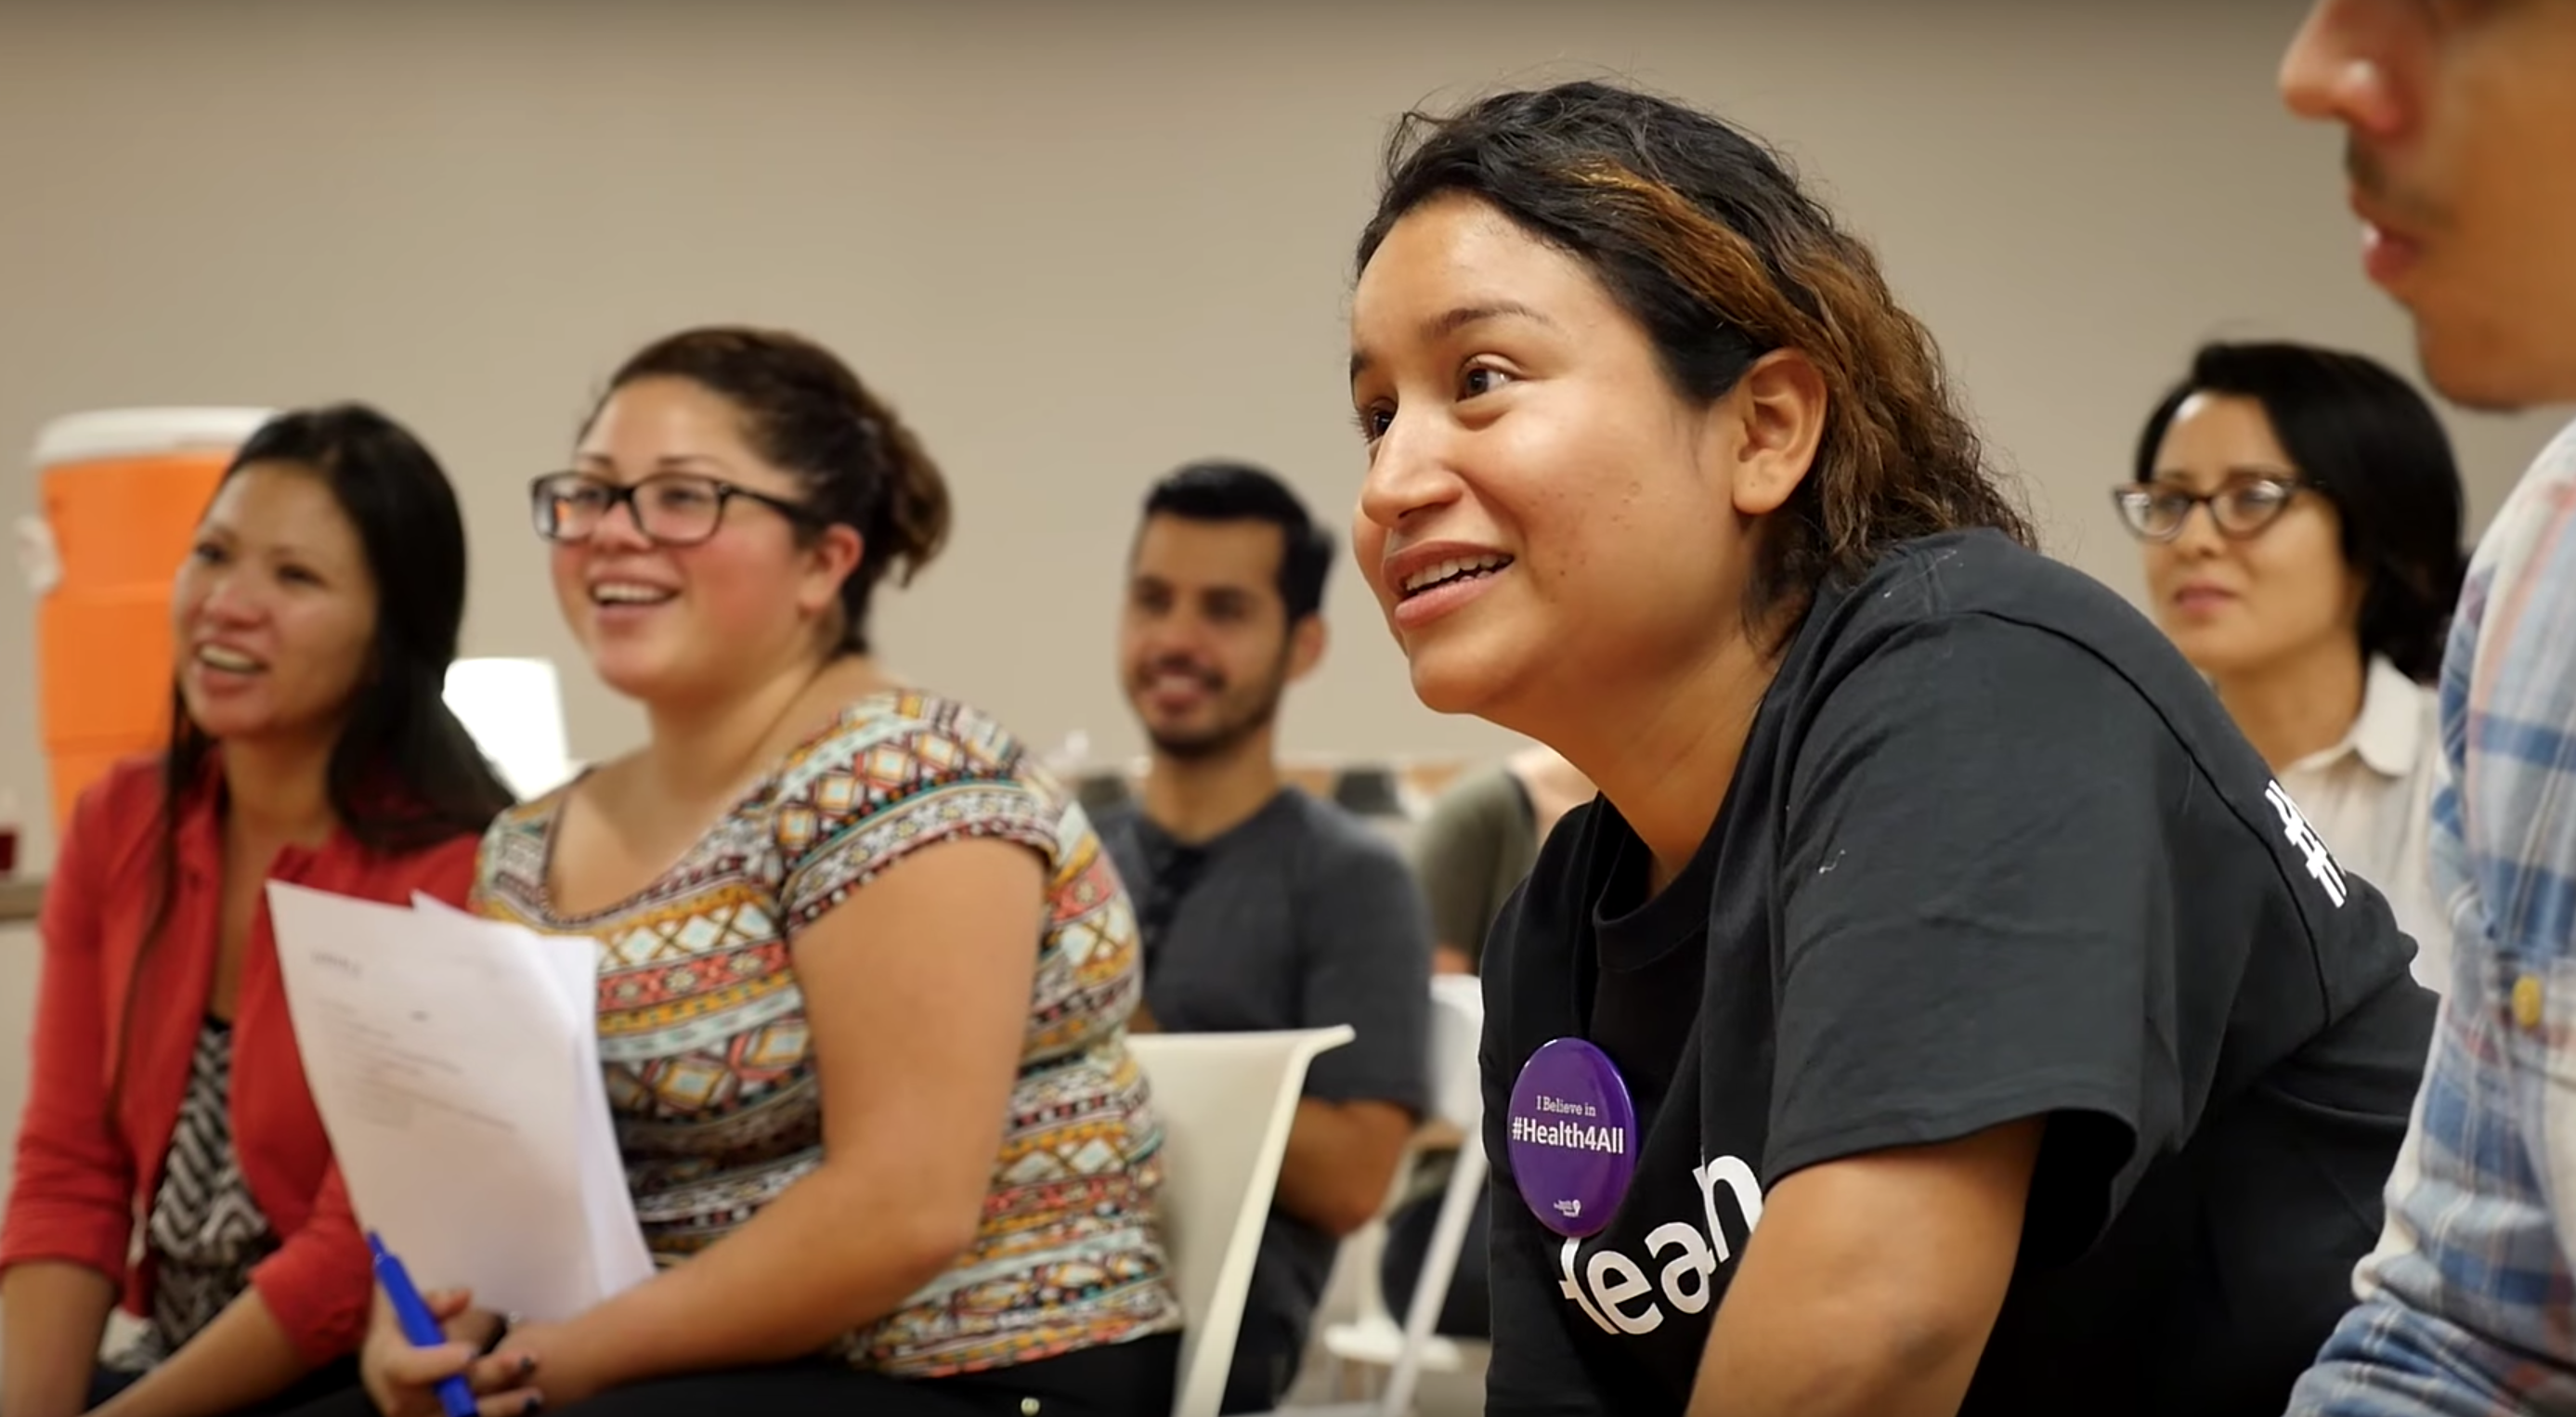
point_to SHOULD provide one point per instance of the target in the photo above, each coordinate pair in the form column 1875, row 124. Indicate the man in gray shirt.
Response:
column 1261, row 907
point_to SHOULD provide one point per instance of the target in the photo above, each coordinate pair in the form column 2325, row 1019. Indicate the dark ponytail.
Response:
column 910, row 518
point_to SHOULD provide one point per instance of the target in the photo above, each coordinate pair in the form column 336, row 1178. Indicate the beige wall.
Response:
column 1077, row 244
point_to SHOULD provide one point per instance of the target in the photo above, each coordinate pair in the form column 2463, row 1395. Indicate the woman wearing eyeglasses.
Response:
column 865, row 971
column 2299, row 513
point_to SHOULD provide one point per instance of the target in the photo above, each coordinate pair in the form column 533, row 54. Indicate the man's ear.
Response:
column 1305, row 646
column 1767, row 430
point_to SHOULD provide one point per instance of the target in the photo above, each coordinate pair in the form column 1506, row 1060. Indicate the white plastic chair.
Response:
column 1226, row 1101
column 1457, row 1097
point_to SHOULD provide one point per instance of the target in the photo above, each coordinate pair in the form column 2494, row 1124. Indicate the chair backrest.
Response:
column 1225, row 1101
column 1458, row 1097
column 1457, row 1032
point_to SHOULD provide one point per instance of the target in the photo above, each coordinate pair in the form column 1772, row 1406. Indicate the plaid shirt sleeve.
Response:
column 2468, row 1305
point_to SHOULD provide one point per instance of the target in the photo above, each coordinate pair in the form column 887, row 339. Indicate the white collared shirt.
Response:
column 2371, row 798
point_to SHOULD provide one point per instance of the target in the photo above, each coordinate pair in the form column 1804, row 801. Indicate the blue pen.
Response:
column 418, row 1324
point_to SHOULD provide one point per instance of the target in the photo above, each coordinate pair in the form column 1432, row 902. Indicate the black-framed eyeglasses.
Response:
column 2241, row 509
column 670, row 508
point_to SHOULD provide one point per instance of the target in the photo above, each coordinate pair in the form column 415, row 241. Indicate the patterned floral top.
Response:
column 711, row 1074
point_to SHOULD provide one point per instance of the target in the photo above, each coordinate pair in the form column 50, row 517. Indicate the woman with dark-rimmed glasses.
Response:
column 864, row 969
column 2299, row 513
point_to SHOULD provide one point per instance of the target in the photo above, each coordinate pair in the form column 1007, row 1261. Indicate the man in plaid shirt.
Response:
column 2461, row 124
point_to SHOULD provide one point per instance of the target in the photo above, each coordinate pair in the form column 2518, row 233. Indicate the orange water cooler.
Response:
column 121, row 491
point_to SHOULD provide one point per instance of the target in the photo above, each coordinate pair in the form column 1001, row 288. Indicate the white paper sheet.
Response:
column 462, row 1094
column 572, row 966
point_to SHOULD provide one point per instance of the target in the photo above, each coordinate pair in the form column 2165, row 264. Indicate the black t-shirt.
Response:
column 1993, row 851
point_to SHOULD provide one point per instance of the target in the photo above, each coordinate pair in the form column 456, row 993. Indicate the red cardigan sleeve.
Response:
column 72, row 1193
column 319, row 1284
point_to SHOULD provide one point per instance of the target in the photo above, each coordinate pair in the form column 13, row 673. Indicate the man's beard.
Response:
column 1228, row 734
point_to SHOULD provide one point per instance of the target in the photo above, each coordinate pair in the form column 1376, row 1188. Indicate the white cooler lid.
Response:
column 141, row 432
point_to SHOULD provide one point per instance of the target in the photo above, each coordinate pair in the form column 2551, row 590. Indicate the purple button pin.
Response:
column 1573, row 1136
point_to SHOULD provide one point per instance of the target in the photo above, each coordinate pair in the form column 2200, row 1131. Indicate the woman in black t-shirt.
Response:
column 1935, row 921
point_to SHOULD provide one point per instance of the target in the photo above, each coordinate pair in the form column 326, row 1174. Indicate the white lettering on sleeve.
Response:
column 2305, row 841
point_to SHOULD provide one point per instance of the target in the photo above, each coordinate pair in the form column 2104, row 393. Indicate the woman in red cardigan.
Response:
column 168, row 1119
